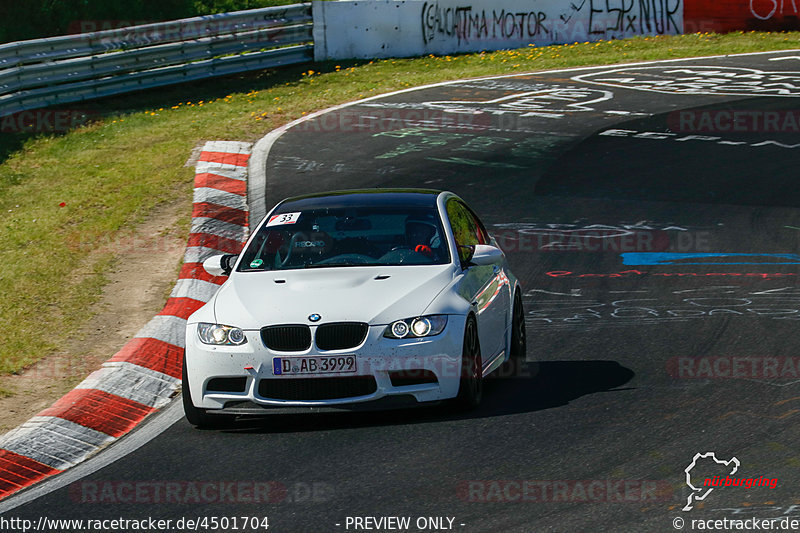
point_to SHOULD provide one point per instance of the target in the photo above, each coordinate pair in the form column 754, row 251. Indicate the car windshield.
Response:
column 347, row 236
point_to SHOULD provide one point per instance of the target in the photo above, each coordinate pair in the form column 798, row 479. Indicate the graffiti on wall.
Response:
column 466, row 23
column 768, row 9
column 725, row 16
column 550, row 22
column 390, row 28
column 629, row 16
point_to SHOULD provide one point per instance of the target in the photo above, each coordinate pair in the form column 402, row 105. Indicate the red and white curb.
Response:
column 143, row 376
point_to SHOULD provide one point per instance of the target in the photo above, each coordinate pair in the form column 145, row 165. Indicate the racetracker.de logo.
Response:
column 46, row 120
column 734, row 367
column 378, row 120
column 198, row 492
column 571, row 491
column 88, row 26
column 734, row 121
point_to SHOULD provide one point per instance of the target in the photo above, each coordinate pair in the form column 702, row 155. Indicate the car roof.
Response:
column 362, row 197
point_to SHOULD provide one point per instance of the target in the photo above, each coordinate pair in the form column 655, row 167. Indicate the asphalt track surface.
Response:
column 641, row 366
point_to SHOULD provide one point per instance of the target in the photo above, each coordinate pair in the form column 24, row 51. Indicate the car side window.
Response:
column 480, row 231
column 465, row 230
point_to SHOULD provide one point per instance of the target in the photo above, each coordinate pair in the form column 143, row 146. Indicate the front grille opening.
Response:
column 288, row 338
column 316, row 388
column 341, row 335
column 227, row 384
column 404, row 378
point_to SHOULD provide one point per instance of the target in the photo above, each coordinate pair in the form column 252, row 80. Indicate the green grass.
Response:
column 112, row 173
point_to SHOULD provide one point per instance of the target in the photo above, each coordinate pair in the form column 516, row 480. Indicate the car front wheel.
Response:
column 470, row 389
column 197, row 416
column 518, row 341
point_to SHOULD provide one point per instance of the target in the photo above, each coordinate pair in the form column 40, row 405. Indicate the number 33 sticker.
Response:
column 285, row 218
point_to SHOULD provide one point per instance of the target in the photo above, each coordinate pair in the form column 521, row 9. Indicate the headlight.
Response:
column 421, row 326
column 220, row 335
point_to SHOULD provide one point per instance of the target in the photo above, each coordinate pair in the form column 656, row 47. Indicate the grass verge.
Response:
column 67, row 198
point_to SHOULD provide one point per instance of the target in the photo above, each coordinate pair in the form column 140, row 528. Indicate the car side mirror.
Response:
column 484, row 255
column 220, row 265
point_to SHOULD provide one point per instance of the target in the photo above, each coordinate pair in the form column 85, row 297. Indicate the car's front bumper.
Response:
column 378, row 359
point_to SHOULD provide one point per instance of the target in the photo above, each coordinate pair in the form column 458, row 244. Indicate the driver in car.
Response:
column 420, row 236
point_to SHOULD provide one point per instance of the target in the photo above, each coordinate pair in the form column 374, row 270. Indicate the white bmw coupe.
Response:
column 351, row 300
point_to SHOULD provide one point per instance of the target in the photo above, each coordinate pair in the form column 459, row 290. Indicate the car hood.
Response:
column 376, row 295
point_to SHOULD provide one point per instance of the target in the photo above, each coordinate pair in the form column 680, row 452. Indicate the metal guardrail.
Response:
column 71, row 68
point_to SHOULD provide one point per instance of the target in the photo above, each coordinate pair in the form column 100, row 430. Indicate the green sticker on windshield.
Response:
column 256, row 263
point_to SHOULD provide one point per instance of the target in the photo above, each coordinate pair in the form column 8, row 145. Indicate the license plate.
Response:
column 292, row 366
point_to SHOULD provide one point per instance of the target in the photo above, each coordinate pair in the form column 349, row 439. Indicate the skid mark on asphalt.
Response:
column 784, row 415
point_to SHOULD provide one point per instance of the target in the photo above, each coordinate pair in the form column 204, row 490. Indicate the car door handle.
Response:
column 496, row 269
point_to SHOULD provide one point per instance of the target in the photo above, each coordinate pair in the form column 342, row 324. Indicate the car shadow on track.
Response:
column 530, row 387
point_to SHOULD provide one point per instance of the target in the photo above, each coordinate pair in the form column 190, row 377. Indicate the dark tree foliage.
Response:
column 32, row 19
column 207, row 7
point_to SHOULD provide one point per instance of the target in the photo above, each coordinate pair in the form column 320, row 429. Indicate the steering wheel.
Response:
column 420, row 249
column 291, row 247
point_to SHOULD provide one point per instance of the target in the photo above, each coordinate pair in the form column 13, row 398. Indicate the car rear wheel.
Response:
column 518, row 339
column 197, row 416
column 470, row 389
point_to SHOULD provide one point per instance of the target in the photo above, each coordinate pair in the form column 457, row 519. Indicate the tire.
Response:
column 197, row 416
column 518, row 352
column 470, row 389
